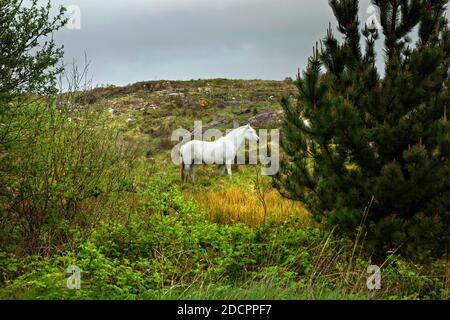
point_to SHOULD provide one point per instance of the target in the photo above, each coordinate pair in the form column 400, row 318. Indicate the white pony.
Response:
column 221, row 152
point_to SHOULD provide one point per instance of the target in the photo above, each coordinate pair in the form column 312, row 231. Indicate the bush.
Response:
column 167, row 248
column 59, row 166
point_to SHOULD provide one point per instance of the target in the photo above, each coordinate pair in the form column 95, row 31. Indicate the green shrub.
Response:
column 59, row 166
column 167, row 248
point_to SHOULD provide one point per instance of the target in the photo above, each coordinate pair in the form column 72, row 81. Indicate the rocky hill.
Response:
column 154, row 109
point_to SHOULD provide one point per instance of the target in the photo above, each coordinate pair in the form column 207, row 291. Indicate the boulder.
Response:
column 267, row 118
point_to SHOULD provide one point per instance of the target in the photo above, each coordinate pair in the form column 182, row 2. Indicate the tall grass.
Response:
column 233, row 205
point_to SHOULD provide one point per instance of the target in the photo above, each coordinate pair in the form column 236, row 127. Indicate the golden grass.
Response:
column 232, row 205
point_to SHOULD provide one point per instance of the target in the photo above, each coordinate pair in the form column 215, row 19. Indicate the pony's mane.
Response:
column 237, row 129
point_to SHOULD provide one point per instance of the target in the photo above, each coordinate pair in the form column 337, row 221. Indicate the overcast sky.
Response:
column 138, row 40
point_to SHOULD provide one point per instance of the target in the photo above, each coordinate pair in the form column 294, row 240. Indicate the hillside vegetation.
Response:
column 92, row 206
column 106, row 197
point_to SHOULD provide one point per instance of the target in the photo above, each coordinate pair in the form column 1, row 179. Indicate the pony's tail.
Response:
column 182, row 168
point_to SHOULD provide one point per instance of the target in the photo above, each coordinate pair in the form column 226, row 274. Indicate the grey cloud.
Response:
column 136, row 40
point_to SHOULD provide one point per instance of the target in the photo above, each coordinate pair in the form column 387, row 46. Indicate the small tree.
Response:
column 28, row 57
column 28, row 54
column 372, row 136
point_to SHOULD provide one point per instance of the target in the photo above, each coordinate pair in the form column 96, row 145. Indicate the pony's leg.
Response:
column 229, row 170
column 187, row 172
column 183, row 169
column 193, row 173
column 222, row 170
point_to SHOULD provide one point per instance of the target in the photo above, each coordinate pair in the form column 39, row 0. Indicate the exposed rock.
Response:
column 247, row 111
column 215, row 124
column 267, row 118
column 176, row 94
column 162, row 92
column 209, row 125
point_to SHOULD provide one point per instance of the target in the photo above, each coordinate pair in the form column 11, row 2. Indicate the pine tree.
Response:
column 372, row 140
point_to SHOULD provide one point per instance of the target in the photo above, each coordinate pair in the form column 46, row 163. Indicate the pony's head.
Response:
column 250, row 133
